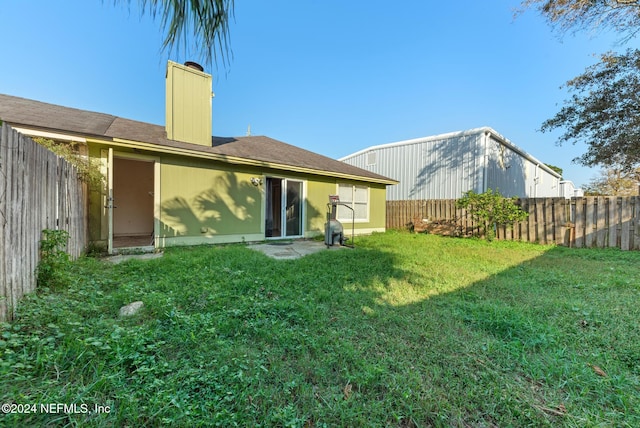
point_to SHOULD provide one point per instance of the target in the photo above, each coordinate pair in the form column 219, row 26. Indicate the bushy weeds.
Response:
column 52, row 270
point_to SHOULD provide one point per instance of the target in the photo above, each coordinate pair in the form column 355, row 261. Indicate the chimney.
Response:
column 188, row 103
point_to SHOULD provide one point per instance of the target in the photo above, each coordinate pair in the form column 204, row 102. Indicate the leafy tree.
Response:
column 622, row 16
column 604, row 105
column 604, row 111
column 556, row 169
column 490, row 210
column 207, row 20
column 88, row 169
column 614, row 182
column 53, row 269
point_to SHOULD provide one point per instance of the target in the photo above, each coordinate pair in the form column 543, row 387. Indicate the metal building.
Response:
column 445, row 166
column 569, row 190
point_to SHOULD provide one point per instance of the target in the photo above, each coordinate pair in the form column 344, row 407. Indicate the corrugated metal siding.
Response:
column 440, row 169
column 514, row 175
column 446, row 168
column 506, row 170
column 548, row 186
column 567, row 189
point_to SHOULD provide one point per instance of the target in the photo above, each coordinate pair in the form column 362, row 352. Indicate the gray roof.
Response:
column 23, row 112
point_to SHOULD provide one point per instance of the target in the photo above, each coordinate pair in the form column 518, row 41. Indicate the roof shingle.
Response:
column 35, row 114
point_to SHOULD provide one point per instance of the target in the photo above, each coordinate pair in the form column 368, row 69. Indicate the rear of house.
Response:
column 445, row 166
column 177, row 185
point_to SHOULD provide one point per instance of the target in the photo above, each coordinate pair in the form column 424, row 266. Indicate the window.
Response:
column 357, row 197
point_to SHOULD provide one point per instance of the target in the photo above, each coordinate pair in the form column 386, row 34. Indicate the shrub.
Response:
column 490, row 209
column 88, row 169
column 54, row 261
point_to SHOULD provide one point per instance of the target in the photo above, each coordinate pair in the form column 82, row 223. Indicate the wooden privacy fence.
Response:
column 588, row 222
column 38, row 190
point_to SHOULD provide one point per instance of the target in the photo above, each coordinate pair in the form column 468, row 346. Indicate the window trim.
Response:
column 352, row 203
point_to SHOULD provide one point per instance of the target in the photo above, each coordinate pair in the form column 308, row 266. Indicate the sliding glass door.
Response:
column 283, row 208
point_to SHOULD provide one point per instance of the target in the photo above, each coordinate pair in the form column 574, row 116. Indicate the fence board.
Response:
column 589, row 233
column 10, row 176
column 547, row 207
column 636, row 234
column 612, row 225
column 37, row 191
column 625, row 222
column 531, row 221
column 539, row 221
column 4, row 291
column 560, row 221
column 579, row 222
column 552, row 217
column 600, row 221
column 521, row 227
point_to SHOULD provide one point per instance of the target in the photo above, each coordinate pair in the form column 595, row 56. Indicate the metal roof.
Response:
column 493, row 133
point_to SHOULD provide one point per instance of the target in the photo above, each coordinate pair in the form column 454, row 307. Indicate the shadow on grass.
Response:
column 406, row 330
column 547, row 338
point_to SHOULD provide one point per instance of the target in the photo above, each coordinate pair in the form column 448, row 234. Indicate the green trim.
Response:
column 173, row 241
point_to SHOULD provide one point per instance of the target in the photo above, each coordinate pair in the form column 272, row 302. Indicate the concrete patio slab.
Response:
column 289, row 250
column 123, row 257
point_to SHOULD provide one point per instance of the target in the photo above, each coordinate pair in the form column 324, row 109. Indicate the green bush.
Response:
column 88, row 169
column 490, row 210
column 52, row 270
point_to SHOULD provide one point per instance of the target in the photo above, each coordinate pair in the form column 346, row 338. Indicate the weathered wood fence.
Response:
column 588, row 222
column 38, row 190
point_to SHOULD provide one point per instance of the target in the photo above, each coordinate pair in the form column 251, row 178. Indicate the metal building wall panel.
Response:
column 439, row 169
column 446, row 166
column 549, row 186
column 506, row 170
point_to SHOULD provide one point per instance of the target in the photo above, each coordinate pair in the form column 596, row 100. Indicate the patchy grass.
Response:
column 404, row 330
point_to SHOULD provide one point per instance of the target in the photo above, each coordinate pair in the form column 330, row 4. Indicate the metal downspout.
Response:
column 486, row 162
column 536, row 180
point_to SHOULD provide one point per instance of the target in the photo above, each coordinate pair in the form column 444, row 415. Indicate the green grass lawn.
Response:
column 402, row 331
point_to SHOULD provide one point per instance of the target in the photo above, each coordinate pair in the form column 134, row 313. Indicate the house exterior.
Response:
column 178, row 185
column 445, row 166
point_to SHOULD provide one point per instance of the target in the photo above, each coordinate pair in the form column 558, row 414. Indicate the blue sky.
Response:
column 329, row 76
